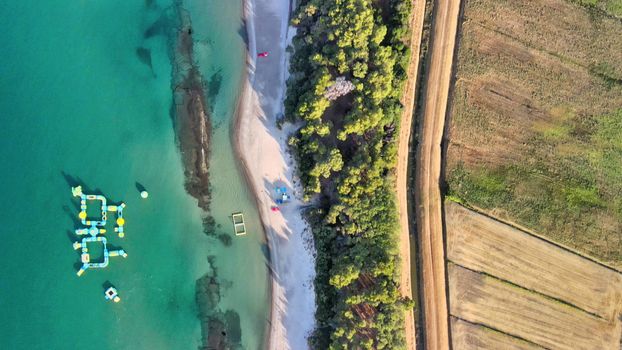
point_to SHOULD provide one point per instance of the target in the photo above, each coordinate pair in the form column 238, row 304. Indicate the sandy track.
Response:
column 416, row 25
column 262, row 148
column 428, row 196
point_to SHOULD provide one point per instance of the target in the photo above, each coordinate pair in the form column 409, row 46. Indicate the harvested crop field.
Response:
column 483, row 244
column 510, row 289
column 535, row 128
column 512, row 310
column 470, row 336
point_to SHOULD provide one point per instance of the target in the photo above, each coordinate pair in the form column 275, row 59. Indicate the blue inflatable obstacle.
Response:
column 85, row 257
column 82, row 215
column 120, row 220
column 95, row 229
column 94, row 225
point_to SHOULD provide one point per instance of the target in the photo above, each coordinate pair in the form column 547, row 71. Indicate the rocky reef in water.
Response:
column 192, row 125
column 221, row 330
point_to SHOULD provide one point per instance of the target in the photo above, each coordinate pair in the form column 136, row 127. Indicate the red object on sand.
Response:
column 263, row 54
column 275, row 208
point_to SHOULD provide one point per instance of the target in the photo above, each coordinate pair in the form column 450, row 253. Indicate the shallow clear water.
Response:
column 77, row 103
column 220, row 53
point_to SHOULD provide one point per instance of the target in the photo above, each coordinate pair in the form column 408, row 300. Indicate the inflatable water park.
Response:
column 95, row 229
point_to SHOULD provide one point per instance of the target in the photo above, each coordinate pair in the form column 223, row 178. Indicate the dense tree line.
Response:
column 347, row 156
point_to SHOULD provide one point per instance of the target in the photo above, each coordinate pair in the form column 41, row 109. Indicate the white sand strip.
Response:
column 262, row 148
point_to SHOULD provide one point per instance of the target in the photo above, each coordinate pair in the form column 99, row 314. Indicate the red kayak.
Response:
column 262, row 54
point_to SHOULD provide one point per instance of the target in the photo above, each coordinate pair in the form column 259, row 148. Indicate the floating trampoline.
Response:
column 112, row 294
column 85, row 257
column 94, row 225
column 239, row 227
column 95, row 229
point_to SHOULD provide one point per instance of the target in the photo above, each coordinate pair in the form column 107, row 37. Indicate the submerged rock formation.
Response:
column 192, row 124
column 221, row 330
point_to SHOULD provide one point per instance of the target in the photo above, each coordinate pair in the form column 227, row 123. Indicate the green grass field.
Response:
column 536, row 123
column 612, row 7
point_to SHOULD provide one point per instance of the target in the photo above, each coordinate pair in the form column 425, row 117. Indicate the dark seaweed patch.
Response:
column 234, row 330
column 219, row 330
column 213, row 88
column 210, row 230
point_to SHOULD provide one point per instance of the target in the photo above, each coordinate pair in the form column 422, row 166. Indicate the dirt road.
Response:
column 416, row 25
column 428, row 170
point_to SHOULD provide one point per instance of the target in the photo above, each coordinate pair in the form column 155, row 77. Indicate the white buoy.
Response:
column 144, row 194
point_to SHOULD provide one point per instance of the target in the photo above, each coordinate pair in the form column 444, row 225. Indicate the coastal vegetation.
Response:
column 536, row 121
column 346, row 152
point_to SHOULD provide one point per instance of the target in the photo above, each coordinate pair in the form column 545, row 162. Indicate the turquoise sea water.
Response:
column 77, row 103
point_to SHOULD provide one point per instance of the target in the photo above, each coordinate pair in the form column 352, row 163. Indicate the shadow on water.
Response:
column 161, row 26
column 73, row 215
column 106, row 285
column 265, row 250
column 71, row 236
column 74, row 181
column 144, row 56
column 243, row 33
column 139, row 186
column 113, row 246
column 71, row 180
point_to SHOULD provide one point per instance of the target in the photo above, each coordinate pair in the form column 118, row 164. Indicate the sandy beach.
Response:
column 262, row 148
